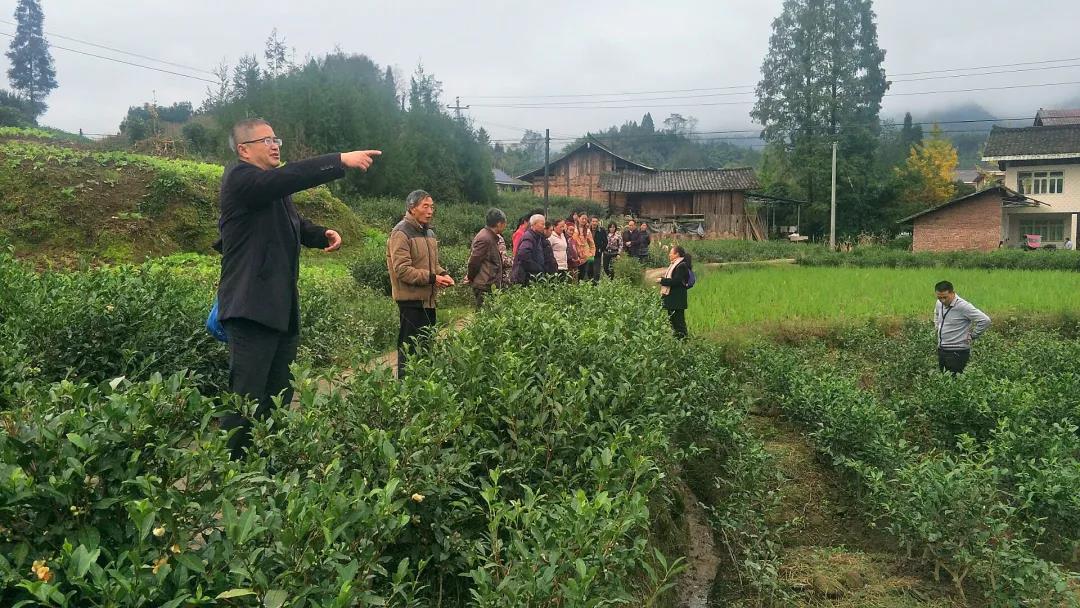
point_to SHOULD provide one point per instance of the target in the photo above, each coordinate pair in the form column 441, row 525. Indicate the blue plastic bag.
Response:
column 213, row 325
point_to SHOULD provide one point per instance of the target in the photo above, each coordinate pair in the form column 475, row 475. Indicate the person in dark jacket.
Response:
column 530, row 260
column 260, row 238
column 600, row 236
column 551, row 265
column 485, row 267
column 629, row 237
column 673, row 287
column 641, row 244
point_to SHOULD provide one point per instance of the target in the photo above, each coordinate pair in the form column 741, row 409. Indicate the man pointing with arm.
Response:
column 261, row 233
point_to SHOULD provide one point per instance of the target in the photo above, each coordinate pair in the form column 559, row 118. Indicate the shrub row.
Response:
column 134, row 321
column 972, row 470
column 872, row 256
column 522, row 462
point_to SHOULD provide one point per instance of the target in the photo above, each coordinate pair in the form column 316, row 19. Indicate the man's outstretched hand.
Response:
column 335, row 240
column 359, row 159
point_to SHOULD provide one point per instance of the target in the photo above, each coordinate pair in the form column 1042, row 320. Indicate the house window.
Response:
column 1049, row 229
column 1040, row 182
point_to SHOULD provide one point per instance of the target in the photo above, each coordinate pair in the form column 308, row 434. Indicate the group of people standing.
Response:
column 262, row 233
column 577, row 248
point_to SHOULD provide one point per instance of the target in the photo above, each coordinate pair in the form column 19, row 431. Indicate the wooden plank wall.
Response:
column 725, row 213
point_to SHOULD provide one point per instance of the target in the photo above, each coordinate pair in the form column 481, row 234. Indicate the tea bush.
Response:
column 134, row 321
column 521, row 461
column 971, row 470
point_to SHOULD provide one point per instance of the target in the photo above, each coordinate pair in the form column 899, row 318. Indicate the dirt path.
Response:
column 651, row 274
column 830, row 557
column 696, row 583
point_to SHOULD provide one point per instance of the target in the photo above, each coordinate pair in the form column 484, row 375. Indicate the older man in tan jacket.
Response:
column 412, row 257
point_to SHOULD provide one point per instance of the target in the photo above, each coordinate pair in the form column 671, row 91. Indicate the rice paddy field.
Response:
column 783, row 295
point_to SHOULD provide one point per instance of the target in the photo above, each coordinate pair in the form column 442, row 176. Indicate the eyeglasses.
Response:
column 269, row 141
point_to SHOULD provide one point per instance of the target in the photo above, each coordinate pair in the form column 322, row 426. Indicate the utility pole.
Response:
column 832, row 212
column 457, row 108
column 547, row 161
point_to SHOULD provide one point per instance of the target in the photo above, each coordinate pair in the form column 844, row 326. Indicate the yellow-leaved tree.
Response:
column 927, row 175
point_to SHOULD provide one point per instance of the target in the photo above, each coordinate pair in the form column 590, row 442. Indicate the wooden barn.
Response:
column 717, row 194
column 577, row 172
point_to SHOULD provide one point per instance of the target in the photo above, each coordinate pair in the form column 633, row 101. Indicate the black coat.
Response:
column 261, row 234
column 529, row 261
column 676, row 299
column 600, row 238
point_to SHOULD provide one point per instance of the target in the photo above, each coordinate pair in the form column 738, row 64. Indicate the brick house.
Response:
column 974, row 222
column 577, row 172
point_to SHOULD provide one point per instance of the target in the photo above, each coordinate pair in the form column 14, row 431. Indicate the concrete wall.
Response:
column 1067, row 201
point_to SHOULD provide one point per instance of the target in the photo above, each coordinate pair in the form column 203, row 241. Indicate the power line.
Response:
column 137, row 65
column 115, row 50
column 540, row 106
column 694, row 136
column 710, row 95
column 751, row 86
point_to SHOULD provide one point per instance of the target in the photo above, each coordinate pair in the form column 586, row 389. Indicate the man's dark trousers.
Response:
column 416, row 326
column 259, row 359
column 953, row 361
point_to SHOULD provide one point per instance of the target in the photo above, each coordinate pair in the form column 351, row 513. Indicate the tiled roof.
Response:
column 1008, row 196
column 1060, row 141
column 680, row 180
column 589, row 143
column 1057, row 117
column 502, row 177
column 965, row 175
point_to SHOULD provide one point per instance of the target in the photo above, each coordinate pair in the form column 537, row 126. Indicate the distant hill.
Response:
column 64, row 201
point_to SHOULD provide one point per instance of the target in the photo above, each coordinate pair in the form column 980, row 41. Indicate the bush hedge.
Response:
column 521, row 462
column 873, row 256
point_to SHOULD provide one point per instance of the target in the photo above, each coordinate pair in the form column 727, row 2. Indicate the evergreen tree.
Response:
column 275, row 54
column 910, row 135
column 31, row 71
column 246, row 76
column 647, row 123
column 823, row 81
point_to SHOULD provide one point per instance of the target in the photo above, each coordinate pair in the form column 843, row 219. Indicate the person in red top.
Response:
column 523, row 225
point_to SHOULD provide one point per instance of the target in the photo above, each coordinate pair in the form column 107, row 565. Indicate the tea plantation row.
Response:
column 523, row 462
column 977, row 473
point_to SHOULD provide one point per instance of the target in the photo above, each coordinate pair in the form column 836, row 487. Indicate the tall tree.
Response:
column 31, row 71
column 647, row 123
column 823, row 81
column 276, row 55
column 927, row 176
column 246, row 76
column 910, row 134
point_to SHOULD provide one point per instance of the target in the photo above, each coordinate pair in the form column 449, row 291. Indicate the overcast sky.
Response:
column 480, row 50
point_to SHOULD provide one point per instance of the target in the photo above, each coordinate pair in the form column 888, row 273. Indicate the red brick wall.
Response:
column 972, row 224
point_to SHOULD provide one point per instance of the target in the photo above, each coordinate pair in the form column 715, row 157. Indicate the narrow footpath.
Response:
column 830, row 556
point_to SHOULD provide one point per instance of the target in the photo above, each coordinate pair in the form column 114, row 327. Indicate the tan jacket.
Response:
column 412, row 257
